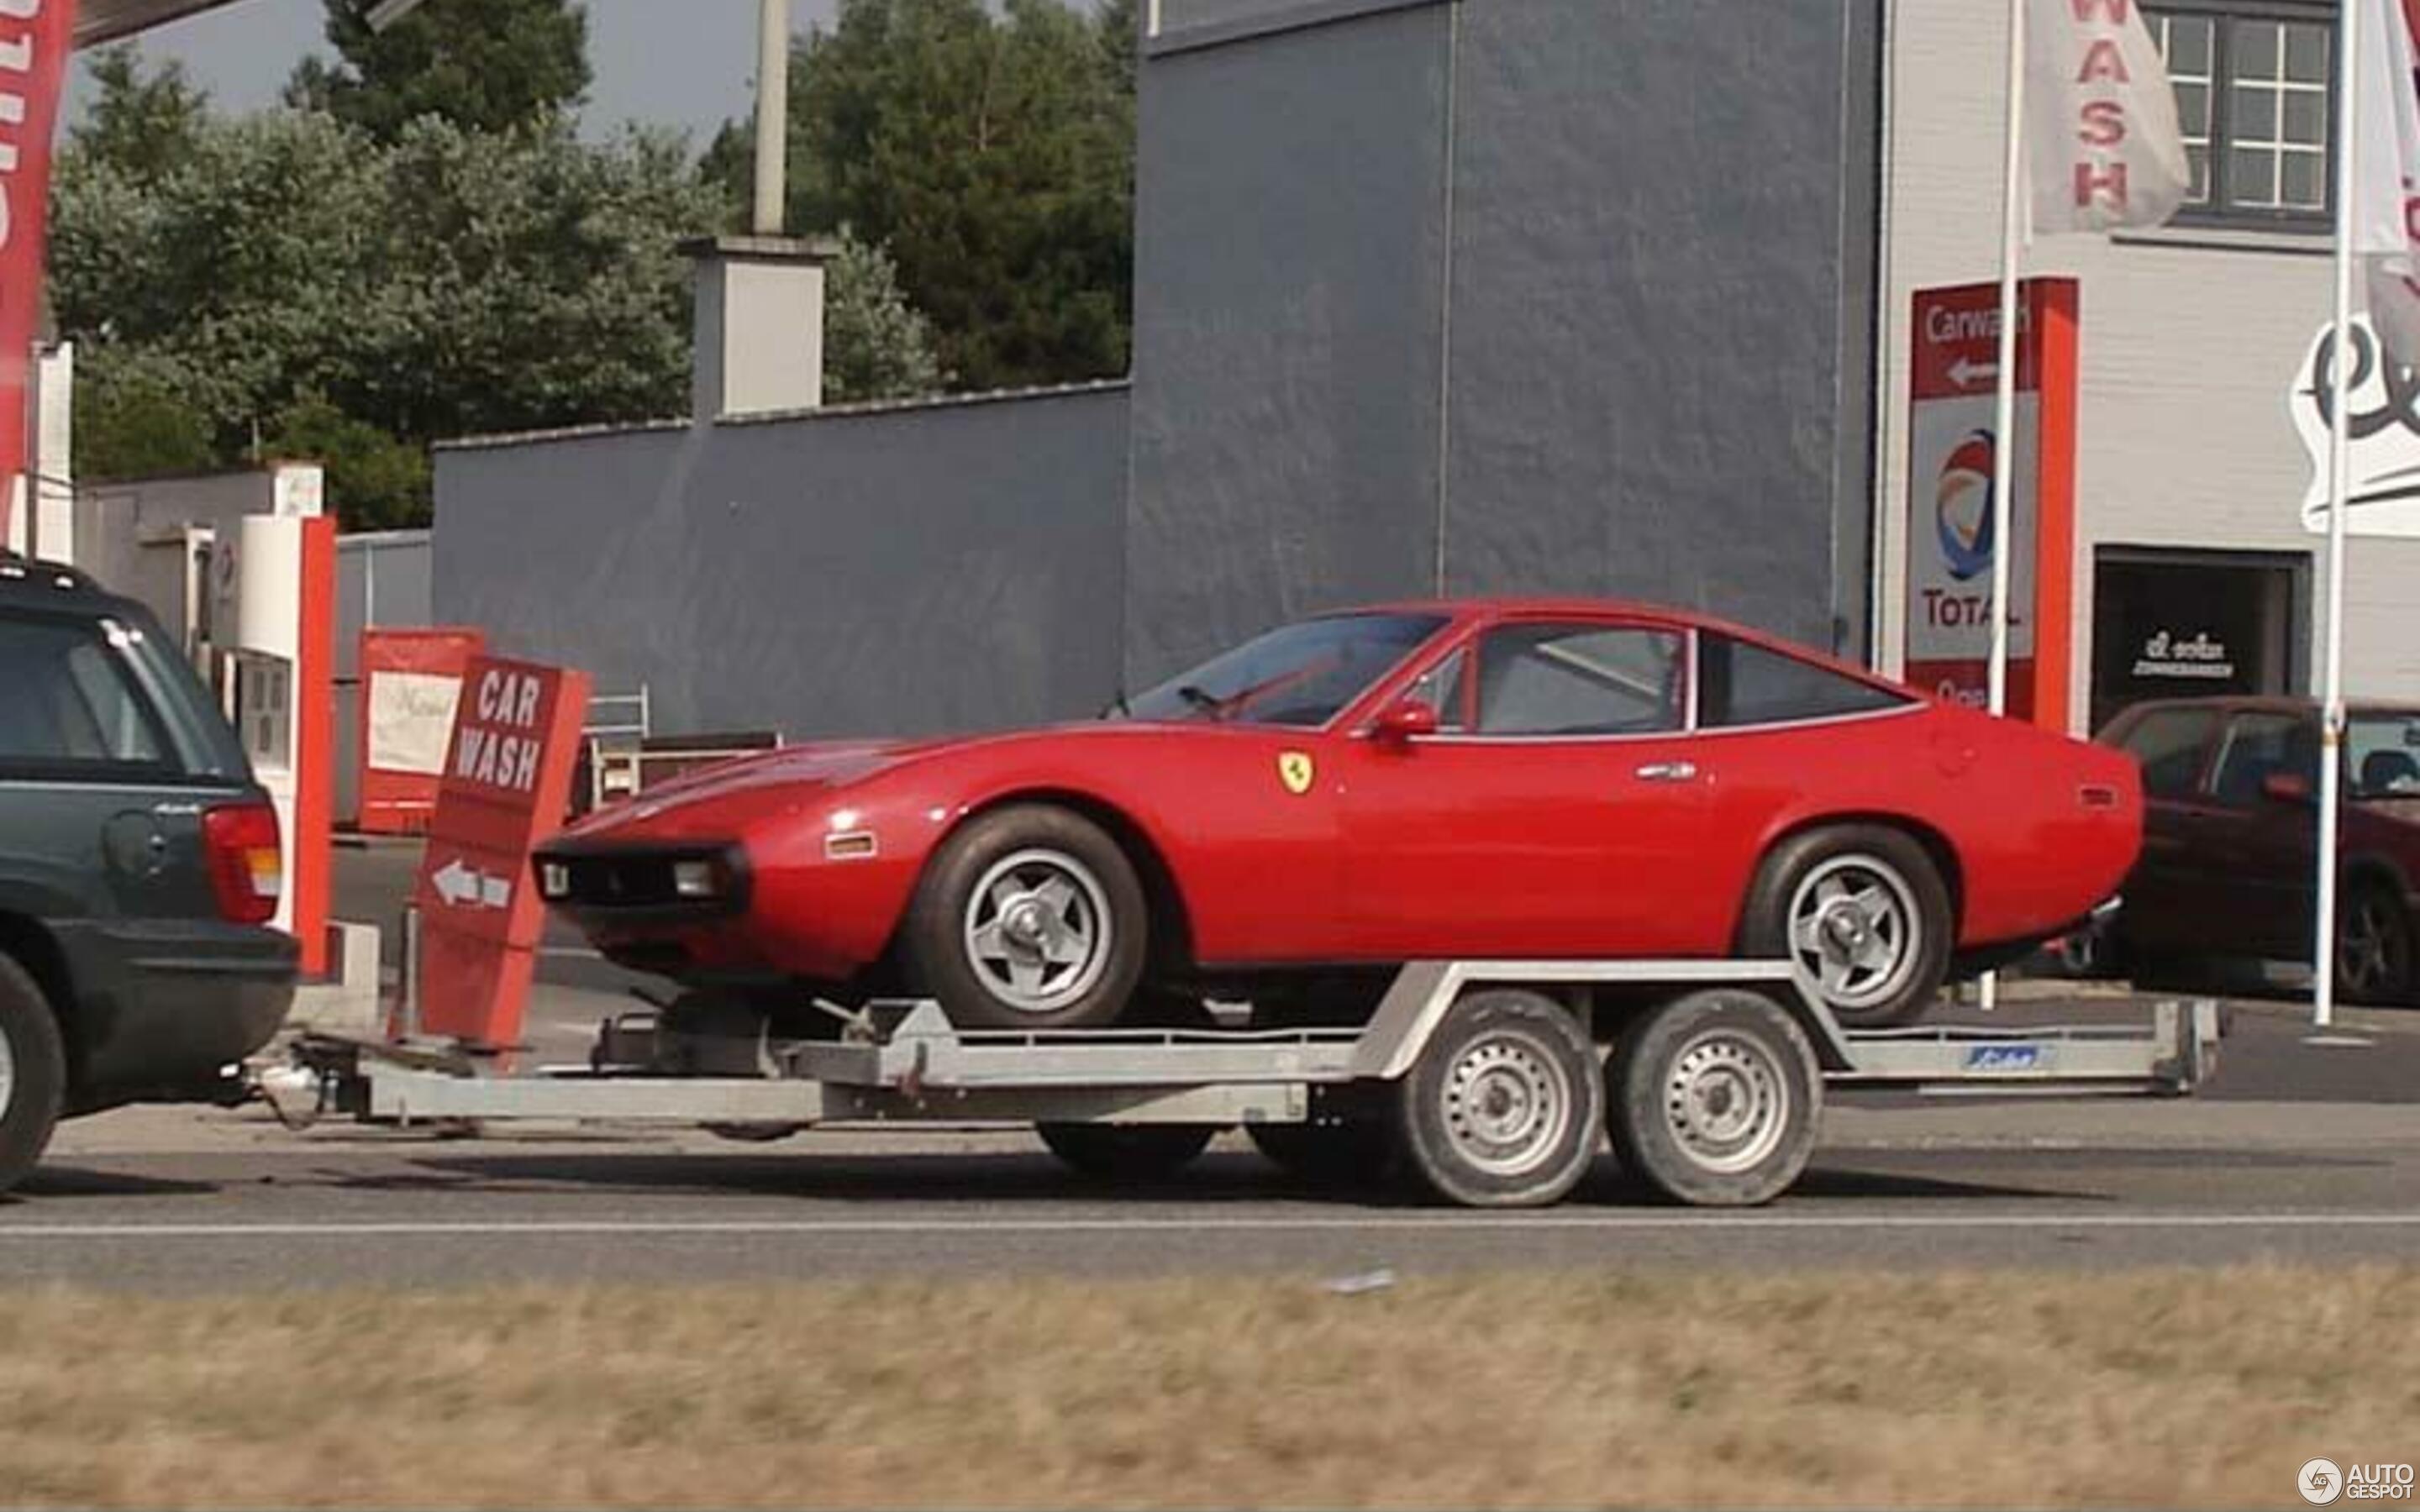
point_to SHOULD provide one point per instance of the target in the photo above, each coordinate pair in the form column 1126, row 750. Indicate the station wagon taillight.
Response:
column 246, row 873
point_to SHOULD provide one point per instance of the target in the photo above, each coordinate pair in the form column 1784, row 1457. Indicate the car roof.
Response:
column 2270, row 704
column 28, row 582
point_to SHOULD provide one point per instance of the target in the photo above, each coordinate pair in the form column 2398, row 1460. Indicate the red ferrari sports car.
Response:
column 1291, row 820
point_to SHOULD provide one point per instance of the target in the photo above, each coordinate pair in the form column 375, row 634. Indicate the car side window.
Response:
column 2259, row 746
column 2168, row 744
column 1446, row 687
column 1581, row 680
column 1739, row 684
column 69, row 702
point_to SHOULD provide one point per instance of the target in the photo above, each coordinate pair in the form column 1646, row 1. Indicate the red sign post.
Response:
column 1953, row 381
column 507, row 786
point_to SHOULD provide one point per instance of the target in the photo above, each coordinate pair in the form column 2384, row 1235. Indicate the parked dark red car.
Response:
column 2230, row 844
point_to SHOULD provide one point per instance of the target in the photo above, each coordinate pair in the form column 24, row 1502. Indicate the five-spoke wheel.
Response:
column 1861, row 913
column 1028, row 917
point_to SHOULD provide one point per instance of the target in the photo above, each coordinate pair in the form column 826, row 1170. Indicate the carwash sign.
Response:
column 507, row 785
column 1952, row 535
column 35, row 37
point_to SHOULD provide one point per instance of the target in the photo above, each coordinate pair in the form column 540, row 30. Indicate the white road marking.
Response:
column 1449, row 1223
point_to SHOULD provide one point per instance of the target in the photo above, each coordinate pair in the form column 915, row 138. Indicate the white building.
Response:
column 2197, row 346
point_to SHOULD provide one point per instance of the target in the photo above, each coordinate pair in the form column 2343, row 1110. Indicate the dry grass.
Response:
column 2207, row 1388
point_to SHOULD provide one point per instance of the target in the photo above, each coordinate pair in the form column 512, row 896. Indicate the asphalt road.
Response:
column 2303, row 1148
column 2300, row 1152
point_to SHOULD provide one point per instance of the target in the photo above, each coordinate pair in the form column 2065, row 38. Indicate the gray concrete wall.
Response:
column 1289, row 328
column 899, row 571
column 1529, row 295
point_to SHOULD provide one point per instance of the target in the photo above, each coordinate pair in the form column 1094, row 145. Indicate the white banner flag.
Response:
column 2386, row 199
column 2101, row 138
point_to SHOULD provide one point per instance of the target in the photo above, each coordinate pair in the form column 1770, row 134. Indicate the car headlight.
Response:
column 700, row 879
column 553, row 881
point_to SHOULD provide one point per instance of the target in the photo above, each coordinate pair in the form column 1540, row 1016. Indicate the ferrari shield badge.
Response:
column 1296, row 771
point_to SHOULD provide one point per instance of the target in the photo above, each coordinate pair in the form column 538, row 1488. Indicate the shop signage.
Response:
column 2383, row 495
column 1952, row 398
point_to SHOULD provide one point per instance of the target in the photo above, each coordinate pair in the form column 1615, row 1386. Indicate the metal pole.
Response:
column 772, row 117
column 2331, row 721
column 2004, row 413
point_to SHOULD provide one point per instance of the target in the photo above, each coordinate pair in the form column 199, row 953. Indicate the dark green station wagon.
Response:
column 139, row 869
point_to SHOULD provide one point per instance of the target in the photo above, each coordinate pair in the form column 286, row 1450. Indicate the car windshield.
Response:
column 2383, row 755
column 1303, row 674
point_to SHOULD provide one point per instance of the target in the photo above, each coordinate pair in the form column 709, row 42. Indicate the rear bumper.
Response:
column 163, row 1006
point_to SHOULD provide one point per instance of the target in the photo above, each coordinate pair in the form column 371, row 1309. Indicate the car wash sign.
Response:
column 507, row 785
column 1950, row 527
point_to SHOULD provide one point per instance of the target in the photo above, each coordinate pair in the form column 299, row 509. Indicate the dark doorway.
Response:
column 2172, row 624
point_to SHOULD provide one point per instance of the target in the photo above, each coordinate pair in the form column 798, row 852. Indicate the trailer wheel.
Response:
column 1126, row 1151
column 1502, row 1109
column 33, row 1073
column 1328, row 1149
column 1714, row 1099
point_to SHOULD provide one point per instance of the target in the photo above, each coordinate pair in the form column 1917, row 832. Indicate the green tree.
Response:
column 374, row 481
column 286, row 272
column 877, row 346
column 143, row 120
column 483, row 65
column 138, row 417
column 992, row 156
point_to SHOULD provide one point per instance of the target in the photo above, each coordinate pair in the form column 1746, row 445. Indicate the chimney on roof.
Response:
column 759, row 325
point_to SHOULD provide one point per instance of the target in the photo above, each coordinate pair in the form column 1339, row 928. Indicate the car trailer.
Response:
column 1487, row 1082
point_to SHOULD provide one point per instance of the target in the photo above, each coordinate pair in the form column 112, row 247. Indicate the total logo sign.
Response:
column 1952, row 537
column 1962, row 508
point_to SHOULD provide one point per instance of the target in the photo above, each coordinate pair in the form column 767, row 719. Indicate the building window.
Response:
column 2252, row 80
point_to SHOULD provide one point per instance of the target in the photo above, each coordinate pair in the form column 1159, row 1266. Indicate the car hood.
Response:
column 806, row 772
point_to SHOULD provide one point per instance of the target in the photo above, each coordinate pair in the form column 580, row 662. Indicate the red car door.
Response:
column 2259, row 852
column 1556, row 812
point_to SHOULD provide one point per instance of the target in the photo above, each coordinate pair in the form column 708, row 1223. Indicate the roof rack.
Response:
column 17, row 567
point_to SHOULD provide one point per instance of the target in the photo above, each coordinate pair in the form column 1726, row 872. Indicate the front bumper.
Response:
column 163, row 1006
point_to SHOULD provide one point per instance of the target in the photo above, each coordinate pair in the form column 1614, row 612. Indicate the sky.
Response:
column 682, row 63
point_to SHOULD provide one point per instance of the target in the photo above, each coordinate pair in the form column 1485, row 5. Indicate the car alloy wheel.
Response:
column 1727, row 1102
column 1856, row 930
column 1038, row 931
column 2373, row 947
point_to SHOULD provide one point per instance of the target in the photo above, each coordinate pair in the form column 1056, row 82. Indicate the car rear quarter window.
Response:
column 69, row 704
column 1740, row 684
column 2169, row 745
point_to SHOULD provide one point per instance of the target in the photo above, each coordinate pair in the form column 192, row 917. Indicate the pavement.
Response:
column 2304, row 1148
column 2298, row 1151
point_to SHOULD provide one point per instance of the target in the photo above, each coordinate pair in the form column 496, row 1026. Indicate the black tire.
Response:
column 1328, row 1149
column 1126, row 1151
column 1714, row 1099
column 33, row 1073
column 1875, row 963
column 1503, row 1108
column 2374, row 945
column 1071, row 892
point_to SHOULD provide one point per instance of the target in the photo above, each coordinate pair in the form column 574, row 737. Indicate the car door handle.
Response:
column 1668, row 772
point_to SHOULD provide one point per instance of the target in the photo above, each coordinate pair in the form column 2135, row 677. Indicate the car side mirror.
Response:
column 2286, row 787
column 1403, row 720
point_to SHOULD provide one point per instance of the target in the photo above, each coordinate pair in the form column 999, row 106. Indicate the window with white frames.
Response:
column 2253, row 82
